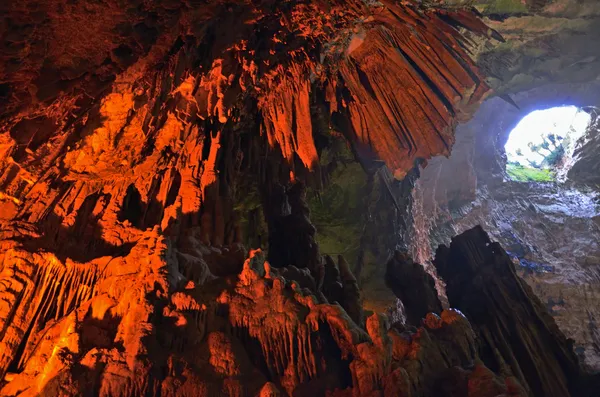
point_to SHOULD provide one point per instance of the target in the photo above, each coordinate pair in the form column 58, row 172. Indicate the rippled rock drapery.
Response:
column 131, row 136
column 275, row 59
column 254, row 333
column 168, row 114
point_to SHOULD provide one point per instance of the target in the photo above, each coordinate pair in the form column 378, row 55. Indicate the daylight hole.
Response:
column 542, row 144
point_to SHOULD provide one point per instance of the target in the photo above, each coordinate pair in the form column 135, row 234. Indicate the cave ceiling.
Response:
column 132, row 132
column 61, row 59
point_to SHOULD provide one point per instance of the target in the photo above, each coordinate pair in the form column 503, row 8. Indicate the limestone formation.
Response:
column 157, row 161
column 515, row 331
column 413, row 286
column 550, row 230
column 586, row 160
column 237, row 335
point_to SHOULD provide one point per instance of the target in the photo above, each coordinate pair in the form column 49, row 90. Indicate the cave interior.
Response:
column 300, row 198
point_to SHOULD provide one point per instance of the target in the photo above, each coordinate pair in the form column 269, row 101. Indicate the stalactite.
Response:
column 288, row 121
column 383, row 93
column 37, row 289
column 125, row 154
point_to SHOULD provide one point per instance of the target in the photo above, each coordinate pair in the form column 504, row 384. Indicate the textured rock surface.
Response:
column 143, row 143
column 515, row 331
column 364, row 216
column 413, row 286
column 130, row 135
column 277, row 59
column 551, row 230
column 553, row 240
column 586, row 159
column 546, row 42
column 123, row 328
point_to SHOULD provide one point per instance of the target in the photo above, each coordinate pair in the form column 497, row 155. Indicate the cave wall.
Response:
column 546, row 42
column 134, row 138
column 149, row 150
column 550, row 229
column 479, row 149
column 364, row 216
column 585, row 158
column 481, row 282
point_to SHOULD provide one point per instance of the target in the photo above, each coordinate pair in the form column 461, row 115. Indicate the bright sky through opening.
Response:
column 533, row 127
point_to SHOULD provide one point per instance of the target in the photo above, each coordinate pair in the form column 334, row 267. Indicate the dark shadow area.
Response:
column 132, row 209
column 99, row 332
column 81, row 242
column 31, row 134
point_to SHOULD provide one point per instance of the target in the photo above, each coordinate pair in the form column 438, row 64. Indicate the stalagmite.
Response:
column 413, row 286
column 515, row 331
column 137, row 141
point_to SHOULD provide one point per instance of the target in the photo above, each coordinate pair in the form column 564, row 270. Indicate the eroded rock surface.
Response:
column 586, row 159
column 134, row 137
column 413, row 286
column 550, row 229
column 516, row 333
column 246, row 334
column 129, row 135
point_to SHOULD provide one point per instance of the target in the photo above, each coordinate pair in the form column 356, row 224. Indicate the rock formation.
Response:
column 586, row 159
column 413, row 286
column 550, row 230
column 155, row 231
column 123, row 329
column 515, row 331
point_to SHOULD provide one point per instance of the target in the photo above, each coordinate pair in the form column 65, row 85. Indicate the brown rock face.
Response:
column 131, row 136
column 516, row 332
column 413, row 286
column 269, row 59
column 242, row 335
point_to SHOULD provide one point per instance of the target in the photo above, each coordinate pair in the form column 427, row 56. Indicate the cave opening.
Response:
column 545, row 214
column 542, row 144
column 300, row 198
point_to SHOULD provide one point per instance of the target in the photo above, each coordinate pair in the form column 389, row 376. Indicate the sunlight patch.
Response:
column 543, row 141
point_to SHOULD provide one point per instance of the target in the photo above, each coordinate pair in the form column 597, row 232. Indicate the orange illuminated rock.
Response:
column 395, row 84
column 135, row 325
column 133, row 141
